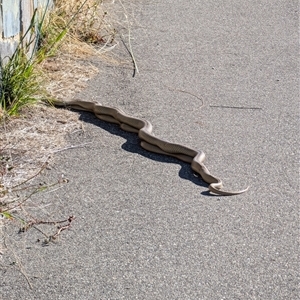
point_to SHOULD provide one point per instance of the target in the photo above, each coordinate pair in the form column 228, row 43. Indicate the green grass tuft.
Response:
column 19, row 83
column 20, row 79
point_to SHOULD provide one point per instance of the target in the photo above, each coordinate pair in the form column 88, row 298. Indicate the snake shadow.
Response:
column 132, row 145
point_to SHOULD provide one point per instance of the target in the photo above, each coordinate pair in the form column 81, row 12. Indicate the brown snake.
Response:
column 150, row 142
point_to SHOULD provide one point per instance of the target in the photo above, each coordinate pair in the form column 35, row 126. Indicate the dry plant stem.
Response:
column 20, row 266
column 33, row 224
column 54, row 236
column 129, row 48
column 45, row 164
column 60, row 229
column 37, row 222
column 31, row 194
column 18, row 204
column 235, row 107
column 36, row 186
column 72, row 147
column 186, row 92
column 24, row 188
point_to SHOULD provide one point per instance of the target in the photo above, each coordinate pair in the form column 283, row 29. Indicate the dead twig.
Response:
column 129, row 47
column 49, row 238
column 71, row 147
column 186, row 92
column 44, row 165
column 19, row 265
column 37, row 222
column 236, row 107
column 37, row 189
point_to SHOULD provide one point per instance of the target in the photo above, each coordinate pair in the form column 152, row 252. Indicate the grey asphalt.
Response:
column 145, row 226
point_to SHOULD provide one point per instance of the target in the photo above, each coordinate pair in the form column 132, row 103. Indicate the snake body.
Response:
column 150, row 142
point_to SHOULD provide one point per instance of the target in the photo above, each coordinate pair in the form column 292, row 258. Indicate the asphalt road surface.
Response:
column 145, row 226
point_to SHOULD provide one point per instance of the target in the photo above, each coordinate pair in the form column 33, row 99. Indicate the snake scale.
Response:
column 150, row 142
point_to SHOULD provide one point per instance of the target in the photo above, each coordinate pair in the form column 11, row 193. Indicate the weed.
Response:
column 18, row 82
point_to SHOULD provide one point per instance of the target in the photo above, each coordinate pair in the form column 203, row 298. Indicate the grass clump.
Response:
column 19, row 81
column 18, row 84
column 89, row 34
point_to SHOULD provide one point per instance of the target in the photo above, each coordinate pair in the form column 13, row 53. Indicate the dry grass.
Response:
column 90, row 34
column 29, row 140
column 66, row 76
